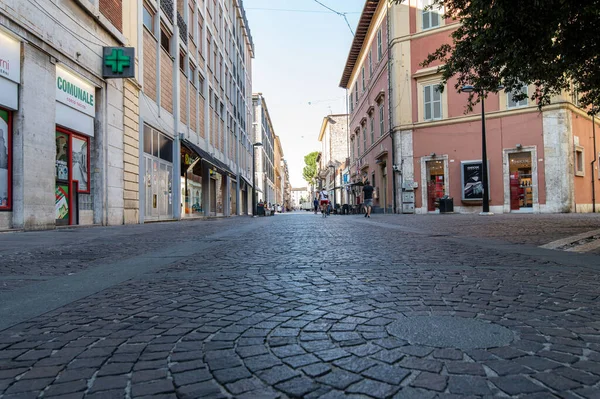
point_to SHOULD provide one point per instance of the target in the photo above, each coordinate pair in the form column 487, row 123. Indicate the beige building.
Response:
column 332, row 159
column 195, row 107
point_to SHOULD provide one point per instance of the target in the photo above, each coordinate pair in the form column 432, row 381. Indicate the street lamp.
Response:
column 254, row 210
column 484, row 179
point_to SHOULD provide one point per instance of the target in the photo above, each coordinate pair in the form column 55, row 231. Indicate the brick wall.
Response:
column 183, row 98
column 211, row 126
column 149, row 65
column 222, row 130
column 113, row 11
column 193, row 110
column 166, row 81
column 202, row 130
column 131, row 111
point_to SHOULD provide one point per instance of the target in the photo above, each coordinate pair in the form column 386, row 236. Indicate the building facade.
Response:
column 537, row 161
column 264, row 166
column 299, row 196
column 195, row 59
column 62, row 140
column 366, row 80
column 333, row 138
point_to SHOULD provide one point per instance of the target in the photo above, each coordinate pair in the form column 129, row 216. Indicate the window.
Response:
column 372, row 127
column 5, row 159
column 148, row 18
column 381, row 120
column 356, row 94
column 579, row 162
column 192, row 73
column 357, row 145
column 365, row 138
column 352, row 148
column 511, row 103
column 370, row 64
column 182, row 63
column 191, row 20
column 208, row 50
column 364, row 87
column 379, row 44
column 165, row 40
column 431, row 17
column 201, row 84
column 432, row 103
column 200, row 27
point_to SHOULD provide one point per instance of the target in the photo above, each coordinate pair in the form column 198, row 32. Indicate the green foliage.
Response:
column 552, row 44
column 310, row 170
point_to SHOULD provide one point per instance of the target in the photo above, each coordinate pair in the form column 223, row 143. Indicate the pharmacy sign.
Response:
column 118, row 62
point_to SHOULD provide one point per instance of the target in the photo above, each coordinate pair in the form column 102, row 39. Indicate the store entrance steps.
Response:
column 584, row 242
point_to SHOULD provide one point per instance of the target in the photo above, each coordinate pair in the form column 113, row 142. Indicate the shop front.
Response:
column 191, row 183
column 521, row 170
column 158, row 176
column 436, row 183
column 10, row 76
column 74, row 134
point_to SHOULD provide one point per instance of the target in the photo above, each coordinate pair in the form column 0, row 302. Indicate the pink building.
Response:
column 537, row 161
column 366, row 79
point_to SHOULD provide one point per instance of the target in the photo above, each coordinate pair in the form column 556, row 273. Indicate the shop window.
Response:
column 148, row 18
column 512, row 103
column 5, row 160
column 165, row 40
column 579, row 162
column 157, row 144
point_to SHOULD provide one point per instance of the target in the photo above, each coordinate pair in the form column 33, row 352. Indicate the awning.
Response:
column 247, row 181
column 206, row 157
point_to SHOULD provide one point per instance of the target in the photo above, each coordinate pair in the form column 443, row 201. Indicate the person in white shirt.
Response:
column 323, row 200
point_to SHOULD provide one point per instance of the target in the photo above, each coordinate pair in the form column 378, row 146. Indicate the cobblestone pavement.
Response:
column 301, row 306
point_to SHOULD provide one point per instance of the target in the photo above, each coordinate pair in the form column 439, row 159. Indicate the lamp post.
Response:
column 484, row 178
column 254, row 210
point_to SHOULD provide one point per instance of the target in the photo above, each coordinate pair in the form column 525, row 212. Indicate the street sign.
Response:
column 118, row 62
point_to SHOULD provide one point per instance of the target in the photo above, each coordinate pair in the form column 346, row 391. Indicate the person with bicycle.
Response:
column 324, row 201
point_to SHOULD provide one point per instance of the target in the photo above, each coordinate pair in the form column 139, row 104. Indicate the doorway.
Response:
column 383, row 200
column 521, row 181
column 436, row 183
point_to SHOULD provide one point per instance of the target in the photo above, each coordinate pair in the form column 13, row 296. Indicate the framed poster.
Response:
column 5, row 160
column 472, row 180
column 80, row 163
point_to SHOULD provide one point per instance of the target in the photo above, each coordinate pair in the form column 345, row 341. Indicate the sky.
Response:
column 300, row 55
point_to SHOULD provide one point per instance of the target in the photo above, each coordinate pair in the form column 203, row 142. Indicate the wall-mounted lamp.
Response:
column 519, row 146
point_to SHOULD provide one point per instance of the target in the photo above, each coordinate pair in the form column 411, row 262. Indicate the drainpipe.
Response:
column 593, row 164
column 391, row 128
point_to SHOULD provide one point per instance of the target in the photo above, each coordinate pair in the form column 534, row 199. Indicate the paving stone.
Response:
column 465, row 368
column 372, row 388
column 317, row 369
column 254, row 350
column 245, row 385
column 419, row 351
column 261, row 362
column 590, row 367
column 390, row 374
column 339, row 379
column 421, row 364
column 301, row 360
column 152, row 388
column 225, row 376
column 448, row 353
column 515, row 385
column 506, row 367
column 538, row 363
column 389, row 356
column 588, row 393
column 179, row 379
column 297, row 387
column 468, row 385
column 62, row 389
column 201, row 390
column 507, row 352
column 277, row 374
column 149, row 375
column 556, row 382
column 578, row 375
column 355, row 364
column 329, row 355
column 431, row 381
column 559, row 357
column 414, row 393
column 28, row 385
column 109, row 383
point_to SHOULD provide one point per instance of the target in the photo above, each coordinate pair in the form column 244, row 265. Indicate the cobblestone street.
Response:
column 297, row 305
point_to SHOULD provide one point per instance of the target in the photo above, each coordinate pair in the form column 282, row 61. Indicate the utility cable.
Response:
column 341, row 14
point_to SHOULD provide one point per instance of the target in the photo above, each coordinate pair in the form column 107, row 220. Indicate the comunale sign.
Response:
column 75, row 91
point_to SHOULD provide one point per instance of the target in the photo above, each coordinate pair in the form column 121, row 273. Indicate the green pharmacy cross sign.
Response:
column 117, row 62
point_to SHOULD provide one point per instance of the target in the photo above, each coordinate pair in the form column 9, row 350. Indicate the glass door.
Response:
column 436, row 184
column 521, row 190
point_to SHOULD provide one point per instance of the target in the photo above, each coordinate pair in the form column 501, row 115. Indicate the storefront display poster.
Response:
column 5, row 163
column 61, row 205
column 80, row 163
column 471, row 180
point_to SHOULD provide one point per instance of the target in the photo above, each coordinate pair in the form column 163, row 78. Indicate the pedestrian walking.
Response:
column 368, row 198
column 316, row 205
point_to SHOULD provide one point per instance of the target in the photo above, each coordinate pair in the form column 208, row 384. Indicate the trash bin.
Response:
column 446, row 204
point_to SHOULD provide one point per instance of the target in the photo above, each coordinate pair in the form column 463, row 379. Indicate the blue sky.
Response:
column 299, row 60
